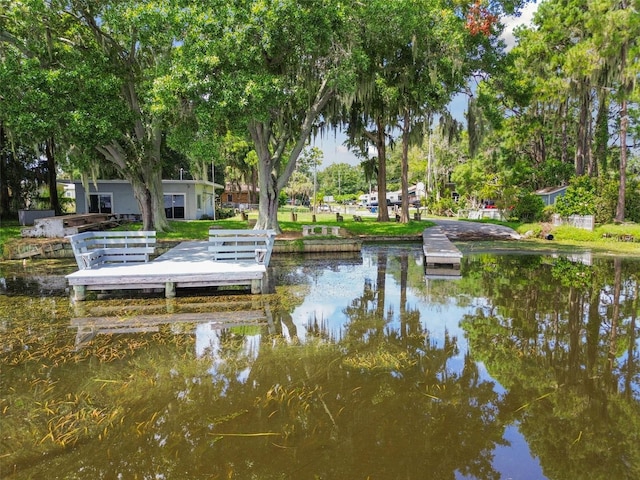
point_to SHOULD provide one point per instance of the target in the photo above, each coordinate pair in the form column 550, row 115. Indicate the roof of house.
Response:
column 550, row 190
column 183, row 182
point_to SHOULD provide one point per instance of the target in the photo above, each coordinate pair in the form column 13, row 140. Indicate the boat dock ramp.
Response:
column 442, row 257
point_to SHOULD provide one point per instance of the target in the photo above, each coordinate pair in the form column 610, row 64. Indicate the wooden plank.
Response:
column 134, row 280
column 438, row 249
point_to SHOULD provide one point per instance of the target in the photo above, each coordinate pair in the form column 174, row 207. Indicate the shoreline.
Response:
column 46, row 249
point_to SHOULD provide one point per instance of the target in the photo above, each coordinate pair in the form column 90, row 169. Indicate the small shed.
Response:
column 549, row 195
column 183, row 199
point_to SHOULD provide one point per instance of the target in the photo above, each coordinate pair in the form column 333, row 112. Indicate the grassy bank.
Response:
column 199, row 229
column 612, row 238
column 624, row 238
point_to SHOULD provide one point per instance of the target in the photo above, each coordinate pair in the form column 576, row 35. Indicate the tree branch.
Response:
column 323, row 96
column 6, row 37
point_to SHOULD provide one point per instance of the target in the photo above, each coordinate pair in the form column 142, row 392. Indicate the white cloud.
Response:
column 511, row 22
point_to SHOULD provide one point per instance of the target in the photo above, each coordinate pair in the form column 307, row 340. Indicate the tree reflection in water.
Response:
column 355, row 368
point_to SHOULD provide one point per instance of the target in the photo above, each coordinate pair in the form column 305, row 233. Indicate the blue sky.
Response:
column 332, row 143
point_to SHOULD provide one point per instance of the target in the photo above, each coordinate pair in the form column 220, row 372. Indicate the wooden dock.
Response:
column 189, row 264
column 442, row 257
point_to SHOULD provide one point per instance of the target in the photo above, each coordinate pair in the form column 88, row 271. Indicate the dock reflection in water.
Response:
column 185, row 318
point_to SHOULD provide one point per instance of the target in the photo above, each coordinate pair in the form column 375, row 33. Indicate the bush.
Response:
column 599, row 197
column 222, row 213
column 443, row 207
column 607, row 202
column 282, row 198
column 528, row 208
column 579, row 199
column 632, row 201
column 547, row 213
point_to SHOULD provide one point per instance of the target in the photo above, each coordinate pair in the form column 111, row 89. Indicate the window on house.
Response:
column 100, row 203
column 230, row 197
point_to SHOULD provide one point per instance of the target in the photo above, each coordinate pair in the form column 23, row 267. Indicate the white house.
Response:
column 183, row 199
column 416, row 193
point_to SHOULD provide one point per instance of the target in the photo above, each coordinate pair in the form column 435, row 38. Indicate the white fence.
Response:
column 586, row 222
column 478, row 214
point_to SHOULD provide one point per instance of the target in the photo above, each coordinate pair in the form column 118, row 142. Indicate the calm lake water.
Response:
column 524, row 366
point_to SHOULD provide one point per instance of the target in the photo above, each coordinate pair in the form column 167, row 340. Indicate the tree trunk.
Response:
column 267, row 178
column 252, row 188
column 599, row 157
column 268, row 198
column 153, row 181
column 404, row 176
column 146, row 182
column 54, row 201
column 156, row 197
column 582, row 144
column 615, row 314
column 143, row 196
column 5, row 204
column 564, row 153
column 574, row 328
column 631, row 350
column 383, row 212
column 624, row 125
column 273, row 174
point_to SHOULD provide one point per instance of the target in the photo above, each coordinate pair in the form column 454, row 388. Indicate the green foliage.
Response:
column 534, row 228
column 222, row 213
column 632, row 203
column 609, row 236
column 606, row 200
column 341, row 179
column 579, row 199
column 599, row 197
column 528, row 207
column 282, row 198
column 444, row 206
column 8, row 230
column 553, row 172
column 469, row 178
column 574, row 274
column 547, row 213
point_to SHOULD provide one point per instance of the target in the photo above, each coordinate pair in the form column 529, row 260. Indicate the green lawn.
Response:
column 199, row 229
column 9, row 229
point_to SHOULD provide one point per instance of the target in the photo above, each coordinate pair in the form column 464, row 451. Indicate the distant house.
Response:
column 416, row 193
column 183, row 199
column 549, row 195
column 238, row 195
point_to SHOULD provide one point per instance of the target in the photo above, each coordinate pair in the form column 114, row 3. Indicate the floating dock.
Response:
column 190, row 264
column 442, row 257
